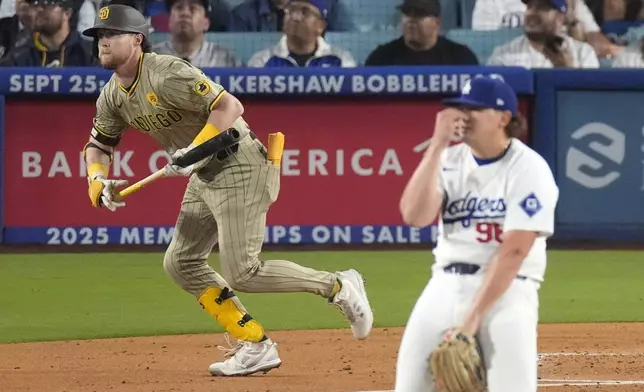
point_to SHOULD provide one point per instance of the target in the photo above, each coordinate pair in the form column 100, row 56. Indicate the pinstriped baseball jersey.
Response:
column 170, row 100
column 631, row 57
column 520, row 53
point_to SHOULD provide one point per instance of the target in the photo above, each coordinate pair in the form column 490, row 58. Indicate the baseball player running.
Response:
column 227, row 196
column 496, row 200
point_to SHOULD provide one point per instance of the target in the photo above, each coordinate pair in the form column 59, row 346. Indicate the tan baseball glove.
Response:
column 457, row 365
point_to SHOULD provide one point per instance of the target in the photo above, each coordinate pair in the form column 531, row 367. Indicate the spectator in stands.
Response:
column 83, row 15
column 55, row 43
column 188, row 25
column 631, row 57
column 544, row 45
column 420, row 43
column 616, row 10
column 16, row 30
column 218, row 14
column 268, row 15
column 302, row 44
column 579, row 22
column 84, row 12
column 7, row 8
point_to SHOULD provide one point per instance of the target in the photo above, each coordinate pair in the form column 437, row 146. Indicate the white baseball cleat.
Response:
column 354, row 304
column 247, row 358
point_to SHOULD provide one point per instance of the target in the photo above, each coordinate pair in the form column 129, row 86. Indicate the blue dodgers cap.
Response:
column 322, row 5
column 559, row 5
column 485, row 92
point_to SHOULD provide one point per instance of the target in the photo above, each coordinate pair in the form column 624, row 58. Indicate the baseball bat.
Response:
column 224, row 140
column 141, row 183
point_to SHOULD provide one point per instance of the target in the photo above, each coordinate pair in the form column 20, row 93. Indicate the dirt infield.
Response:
column 585, row 356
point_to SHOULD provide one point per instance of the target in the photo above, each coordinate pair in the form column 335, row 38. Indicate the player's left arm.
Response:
column 187, row 88
column 530, row 213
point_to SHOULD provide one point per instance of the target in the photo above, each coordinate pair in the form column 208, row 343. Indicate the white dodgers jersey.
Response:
column 486, row 198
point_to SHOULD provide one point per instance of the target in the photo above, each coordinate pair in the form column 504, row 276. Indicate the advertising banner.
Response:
column 600, row 157
column 393, row 81
column 344, row 168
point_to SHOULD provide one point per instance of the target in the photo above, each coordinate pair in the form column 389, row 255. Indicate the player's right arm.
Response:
column 423, row 195
column 105, row 136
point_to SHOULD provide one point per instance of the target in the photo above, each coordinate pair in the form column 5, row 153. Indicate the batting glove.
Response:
column 102, row 192
column 177, row 171
column 174, row 170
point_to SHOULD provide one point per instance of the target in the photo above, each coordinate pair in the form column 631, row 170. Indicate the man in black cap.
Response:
column 55, row 42
column 227, row 196
column 188, row 25
column 421, row 43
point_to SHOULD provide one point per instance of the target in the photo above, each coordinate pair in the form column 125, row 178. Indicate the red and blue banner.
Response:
column 343, row 171
column 353, row 138
column 346, row 161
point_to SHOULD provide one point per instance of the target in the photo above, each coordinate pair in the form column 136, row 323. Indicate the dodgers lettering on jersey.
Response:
column 516, row 192
column 472, row 208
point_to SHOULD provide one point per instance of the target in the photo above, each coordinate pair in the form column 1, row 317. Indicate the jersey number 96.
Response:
column 489, row 232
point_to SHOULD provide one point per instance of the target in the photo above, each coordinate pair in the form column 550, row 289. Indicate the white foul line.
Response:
column 572, row 383
column 560, row 383
column 578, row 383
column 583, row 354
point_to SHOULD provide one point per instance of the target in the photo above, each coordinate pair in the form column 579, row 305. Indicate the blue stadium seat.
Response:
column 483, row 43
column 449, row 17
column 246, row 44
column 633, row 35
column 466, row 10
column 233, row 3
column 605, row 62
column 370, row 15
column 361, row 44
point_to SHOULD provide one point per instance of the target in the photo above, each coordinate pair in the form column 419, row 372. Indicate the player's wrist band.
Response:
column 96, row 169
column 207, row 132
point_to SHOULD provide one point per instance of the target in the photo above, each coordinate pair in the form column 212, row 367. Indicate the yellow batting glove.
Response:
column 95, row 192
column 94, row 171
column 275, row 147
column 102, row 192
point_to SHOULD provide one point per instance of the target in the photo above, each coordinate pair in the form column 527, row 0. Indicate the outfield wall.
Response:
column 353, row 137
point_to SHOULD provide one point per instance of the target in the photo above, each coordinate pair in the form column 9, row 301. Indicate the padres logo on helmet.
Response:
column 120, row 18
column 104, row 13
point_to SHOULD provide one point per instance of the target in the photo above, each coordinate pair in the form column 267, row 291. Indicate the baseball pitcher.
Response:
column 227, row 196
column 474, row 327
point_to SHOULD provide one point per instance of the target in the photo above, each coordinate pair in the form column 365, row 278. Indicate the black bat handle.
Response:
column 224, row 140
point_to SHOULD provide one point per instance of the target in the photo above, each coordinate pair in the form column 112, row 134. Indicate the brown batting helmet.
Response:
column 120, row 18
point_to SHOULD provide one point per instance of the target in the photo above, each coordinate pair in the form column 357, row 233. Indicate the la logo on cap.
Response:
column 467, row 87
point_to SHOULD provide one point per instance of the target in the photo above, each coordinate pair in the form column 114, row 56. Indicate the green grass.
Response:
column 70, row 296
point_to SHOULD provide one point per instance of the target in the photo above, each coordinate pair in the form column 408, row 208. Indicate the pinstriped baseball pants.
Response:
column 231, row 210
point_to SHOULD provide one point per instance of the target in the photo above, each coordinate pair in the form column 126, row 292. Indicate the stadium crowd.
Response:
column 553, row 33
